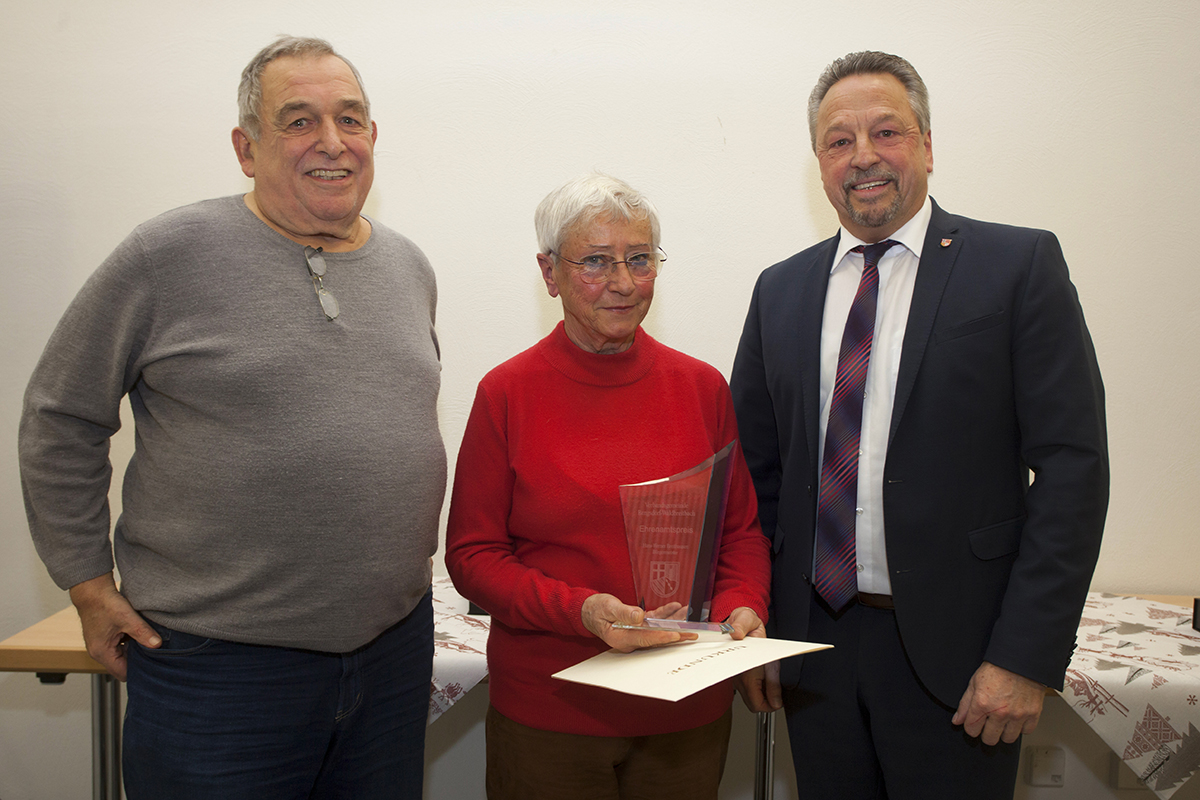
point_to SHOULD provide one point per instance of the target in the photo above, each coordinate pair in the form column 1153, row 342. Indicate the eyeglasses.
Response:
column 316, row 268
column 601, row 268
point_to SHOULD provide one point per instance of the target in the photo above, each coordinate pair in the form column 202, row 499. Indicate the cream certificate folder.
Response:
column 675, row 671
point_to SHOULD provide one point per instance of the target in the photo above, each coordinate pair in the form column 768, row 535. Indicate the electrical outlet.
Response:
column 1046, row 766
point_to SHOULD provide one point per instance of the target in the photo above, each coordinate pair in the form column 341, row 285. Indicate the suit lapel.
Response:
column 933, row 272
column 811, row 318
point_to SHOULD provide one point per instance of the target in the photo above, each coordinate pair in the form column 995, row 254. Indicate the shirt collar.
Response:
column 911, row 235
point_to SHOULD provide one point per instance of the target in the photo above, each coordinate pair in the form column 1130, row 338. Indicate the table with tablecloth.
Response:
column 1135, row 679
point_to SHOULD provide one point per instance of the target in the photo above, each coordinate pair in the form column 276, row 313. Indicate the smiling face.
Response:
column 875, row 162
column 314, row 162
column 601, row 317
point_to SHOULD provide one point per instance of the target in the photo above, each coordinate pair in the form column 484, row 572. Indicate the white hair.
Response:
column 588, row 198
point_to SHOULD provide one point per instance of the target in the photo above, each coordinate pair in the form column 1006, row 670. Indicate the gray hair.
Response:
column 587, row 198
column 870, row 62
column 250, row 89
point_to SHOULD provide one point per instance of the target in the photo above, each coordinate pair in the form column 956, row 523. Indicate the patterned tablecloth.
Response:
column 459, row 648
column 1135, row 679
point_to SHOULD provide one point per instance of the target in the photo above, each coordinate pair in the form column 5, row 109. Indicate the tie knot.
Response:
column 873, row 252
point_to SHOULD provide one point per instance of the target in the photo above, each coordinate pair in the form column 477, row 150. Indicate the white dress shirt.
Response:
column 897, row 275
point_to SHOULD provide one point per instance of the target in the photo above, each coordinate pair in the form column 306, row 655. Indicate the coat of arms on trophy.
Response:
column 664, row 577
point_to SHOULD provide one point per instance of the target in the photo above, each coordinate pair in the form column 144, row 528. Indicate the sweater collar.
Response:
column 595, row 369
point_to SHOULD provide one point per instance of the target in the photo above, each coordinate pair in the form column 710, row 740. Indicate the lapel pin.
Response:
column 946, row 242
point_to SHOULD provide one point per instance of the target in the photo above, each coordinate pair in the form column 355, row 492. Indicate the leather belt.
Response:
column 883, row 601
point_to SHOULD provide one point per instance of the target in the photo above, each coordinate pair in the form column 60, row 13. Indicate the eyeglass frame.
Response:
column 657, row 258
column 324, row 296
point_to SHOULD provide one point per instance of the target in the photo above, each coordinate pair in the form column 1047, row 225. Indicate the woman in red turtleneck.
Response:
column 536, row 535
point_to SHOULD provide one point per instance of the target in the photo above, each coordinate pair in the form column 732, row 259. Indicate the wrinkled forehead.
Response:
column 876, row 96
column 304, row 80
column 595, row 228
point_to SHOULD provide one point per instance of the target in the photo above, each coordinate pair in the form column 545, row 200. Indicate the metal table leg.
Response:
column 106, row 738
column 764, row 766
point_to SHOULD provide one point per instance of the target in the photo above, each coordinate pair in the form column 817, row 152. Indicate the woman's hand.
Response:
column 601, row 611
column 746, row 623
column 669, row 611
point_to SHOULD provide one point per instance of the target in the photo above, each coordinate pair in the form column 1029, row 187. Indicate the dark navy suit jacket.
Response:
column 998, row 378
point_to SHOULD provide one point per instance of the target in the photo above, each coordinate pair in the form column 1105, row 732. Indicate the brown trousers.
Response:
column 529, row 764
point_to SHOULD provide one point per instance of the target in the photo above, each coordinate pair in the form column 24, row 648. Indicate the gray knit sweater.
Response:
column 288, row 472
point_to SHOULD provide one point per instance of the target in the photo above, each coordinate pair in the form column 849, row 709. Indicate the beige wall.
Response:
column 1080, row 117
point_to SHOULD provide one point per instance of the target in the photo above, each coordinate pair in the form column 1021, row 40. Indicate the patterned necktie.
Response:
column 834, row 564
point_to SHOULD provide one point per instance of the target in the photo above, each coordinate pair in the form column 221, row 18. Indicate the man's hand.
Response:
column 107, row 618
column 759, row 687
column 999, row 705
column 601, row 611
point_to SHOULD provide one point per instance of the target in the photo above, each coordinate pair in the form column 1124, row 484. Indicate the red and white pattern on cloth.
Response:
column 459, row 648
column 1135, row 679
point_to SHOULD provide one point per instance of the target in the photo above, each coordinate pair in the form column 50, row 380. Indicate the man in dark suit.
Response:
column 906, row 528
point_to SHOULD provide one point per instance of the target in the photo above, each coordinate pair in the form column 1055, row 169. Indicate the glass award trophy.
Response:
column 673, row 526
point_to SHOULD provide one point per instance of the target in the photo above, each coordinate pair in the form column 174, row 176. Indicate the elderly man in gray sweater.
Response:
column 280, row 510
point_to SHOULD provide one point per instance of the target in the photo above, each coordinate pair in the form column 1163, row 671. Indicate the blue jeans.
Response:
column 207, row 718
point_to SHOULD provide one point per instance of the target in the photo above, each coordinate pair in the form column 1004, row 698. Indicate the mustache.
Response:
column 875, row 173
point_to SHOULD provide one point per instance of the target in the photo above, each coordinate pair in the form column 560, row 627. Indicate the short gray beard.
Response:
column 874, row 217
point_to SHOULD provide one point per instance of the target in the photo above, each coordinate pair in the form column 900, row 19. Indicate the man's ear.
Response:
column 243, row 145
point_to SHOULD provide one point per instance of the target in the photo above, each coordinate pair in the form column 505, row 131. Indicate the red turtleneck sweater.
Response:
column 536, row 528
